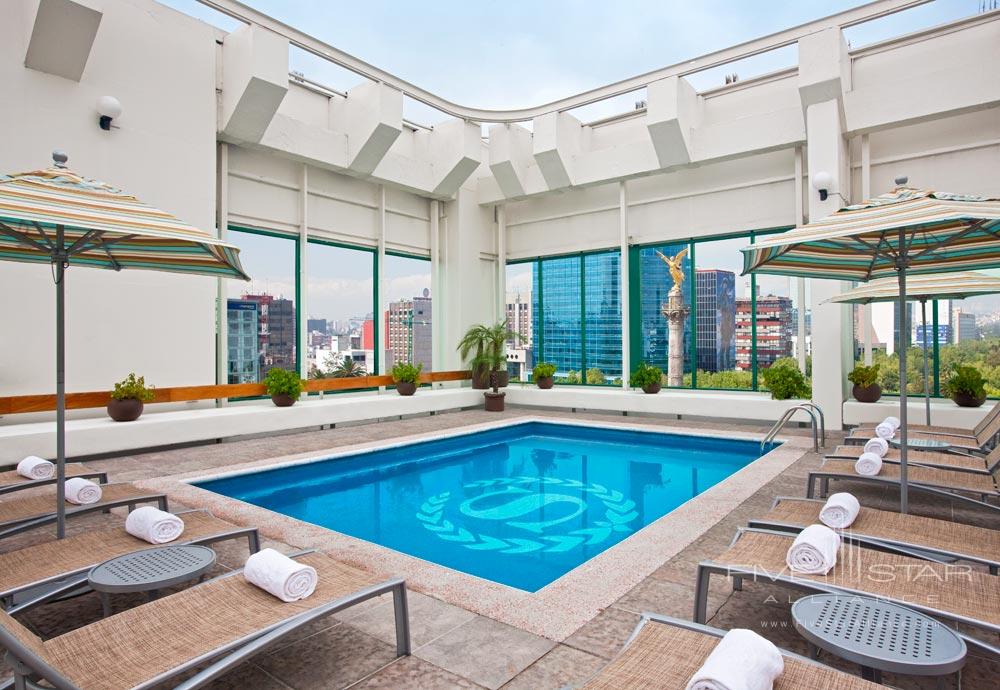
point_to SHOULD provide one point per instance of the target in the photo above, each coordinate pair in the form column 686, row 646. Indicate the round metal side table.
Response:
column 879, row 636
column 149, row 570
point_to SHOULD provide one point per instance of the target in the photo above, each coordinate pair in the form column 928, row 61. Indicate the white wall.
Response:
column 161, row 65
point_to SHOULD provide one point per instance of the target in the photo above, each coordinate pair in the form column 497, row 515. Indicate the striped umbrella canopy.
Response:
column 58, row 217
column 905, row 231
column 922, row 288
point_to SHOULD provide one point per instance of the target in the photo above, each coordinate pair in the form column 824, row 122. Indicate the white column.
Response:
column 222, row 311
column 382, row 306
column 438, row 308
column 501, row 262
column 302, row 277
column 623, row 272
column 800, row 283
column 866, row 193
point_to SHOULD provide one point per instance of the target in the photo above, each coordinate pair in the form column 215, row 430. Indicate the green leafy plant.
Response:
column 864, row 377
column 347, row 369
column 645, row 375
column 484, row 347
column 572, row 376
column 543, row 370
column 404, row 372
column 133, row 388
column 785, row 381
column 595, row 377
column 966, row 380
column 282, row 382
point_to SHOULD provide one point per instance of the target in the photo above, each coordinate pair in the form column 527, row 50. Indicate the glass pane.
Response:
column 885, row 339
column 723, row 315
column 519, row 311
column 340, row 299
column 561, row 342
column 267, row 303
column 655, row 283
column 969, row 335
column 602, row 297
column 779, row 303
column 408, row 314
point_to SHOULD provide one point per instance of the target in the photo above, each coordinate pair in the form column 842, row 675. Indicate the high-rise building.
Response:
column 242, row 327
column 317, row 325
column 409, row 330
column 559, row 340
column 519, row 320
column 654, row 285
column 773, row 322
column 715, row 314
column 276, row 333
column 926, row 333
column 964, row 326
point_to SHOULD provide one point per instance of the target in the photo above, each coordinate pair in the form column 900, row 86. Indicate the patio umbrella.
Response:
column 922, row 288
column 907, row 231
column 58, row 217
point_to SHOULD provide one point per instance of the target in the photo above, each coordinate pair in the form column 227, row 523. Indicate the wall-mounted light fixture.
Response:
column 108, row 107
column 822, row 181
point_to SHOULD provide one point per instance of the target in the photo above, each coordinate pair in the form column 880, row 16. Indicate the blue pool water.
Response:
column 521, row 505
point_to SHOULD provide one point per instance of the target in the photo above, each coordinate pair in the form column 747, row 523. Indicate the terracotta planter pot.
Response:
column 283, row 400
column 480, row 379
column 651, row 388
column 494, row 401
column 545, row 382
column 966, row 400
column 127, row 410
column 869, row 394
column 406, row 387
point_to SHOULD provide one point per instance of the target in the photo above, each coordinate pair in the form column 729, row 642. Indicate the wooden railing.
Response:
column 18, row 404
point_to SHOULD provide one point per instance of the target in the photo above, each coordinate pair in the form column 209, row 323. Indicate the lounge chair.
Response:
column 944, row 430
column 981, row 441
column 43, row 572
column 27, row 512
column 665, row 652
column 923, row 537
column 12, row 481
column 952, row 592
column 929, row 458
column 227, row 620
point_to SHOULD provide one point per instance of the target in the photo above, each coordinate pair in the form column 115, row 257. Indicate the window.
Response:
column 558, row 315
column 264, row 310
column 520, row 350
column 408, row 313
column 778, row 307
column 340, row 328
column 722, row 315
column 602, row 319
column 650, row 283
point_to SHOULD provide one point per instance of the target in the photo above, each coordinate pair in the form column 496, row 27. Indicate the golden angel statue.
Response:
column 674, row 263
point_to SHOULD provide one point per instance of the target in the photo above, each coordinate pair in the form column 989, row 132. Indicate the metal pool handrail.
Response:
column 808, row 408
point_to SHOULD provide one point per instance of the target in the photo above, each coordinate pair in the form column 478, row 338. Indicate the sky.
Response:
column 520, row 53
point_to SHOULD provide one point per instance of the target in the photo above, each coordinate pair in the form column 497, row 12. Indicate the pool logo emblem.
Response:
column 513, row 500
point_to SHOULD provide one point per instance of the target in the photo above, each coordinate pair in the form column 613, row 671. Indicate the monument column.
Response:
column 676, row 312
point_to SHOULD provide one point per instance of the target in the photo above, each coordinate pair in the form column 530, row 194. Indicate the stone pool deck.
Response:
column 456, row 647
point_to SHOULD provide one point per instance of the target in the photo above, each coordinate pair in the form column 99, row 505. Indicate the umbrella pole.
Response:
column 903, row 326
column 927, row 387
column 60, row 274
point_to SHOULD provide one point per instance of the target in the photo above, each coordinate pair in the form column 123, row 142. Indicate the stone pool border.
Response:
column 558, row 609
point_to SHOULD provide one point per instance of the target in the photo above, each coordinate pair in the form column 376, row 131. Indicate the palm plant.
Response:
column 348, row 368
column 472, row 349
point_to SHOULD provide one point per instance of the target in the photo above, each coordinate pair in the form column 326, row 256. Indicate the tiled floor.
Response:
column 455, row 648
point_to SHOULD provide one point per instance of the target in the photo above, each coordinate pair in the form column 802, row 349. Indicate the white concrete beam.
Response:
column 372, row 118
column 671, row 115
column 454, row 149
column 824, row 68
column 254, row 81
column 557, row 141
column 510, row 156
column 61, row 37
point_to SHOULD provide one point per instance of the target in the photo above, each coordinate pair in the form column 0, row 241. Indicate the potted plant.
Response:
column 647, row 377
column 128, row 398
column 542, row 374
column 784, row 379
column 405, row 376
column 865, row 380
column 499, row 335
column 494, row 398
column 472, row 349
column 283, row 386
column 966, row 386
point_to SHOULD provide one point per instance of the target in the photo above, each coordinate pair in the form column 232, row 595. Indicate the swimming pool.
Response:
column 520, row 505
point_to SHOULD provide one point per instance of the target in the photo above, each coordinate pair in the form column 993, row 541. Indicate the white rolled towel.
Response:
column 876, row 445
column 894, row 421
column 278, row 574
column 154, row 525
column 885, row 430
column 868, row 465
column 743, row 660
column 814, row 551
column 82, row 491
column 34, row 467
column 840, row 511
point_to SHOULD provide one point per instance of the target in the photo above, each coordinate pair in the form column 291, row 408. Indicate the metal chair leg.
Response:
column 402, row 615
